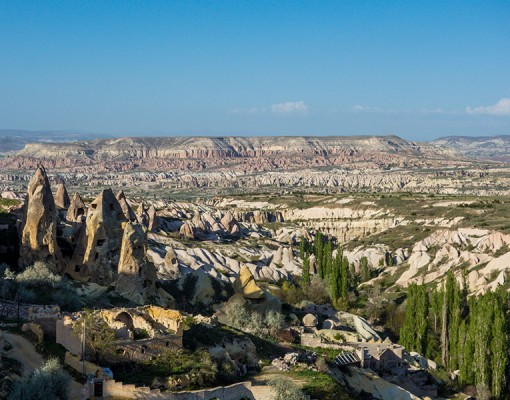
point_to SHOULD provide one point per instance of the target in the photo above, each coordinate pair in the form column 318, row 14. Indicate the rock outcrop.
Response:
column 62, row 197
column 153, row 219
column 97, row 253
column 231, row 224
column 39, row 225
column 136, row 275
column 77, row 211
column 141, row 215
column 126, row 208
column 259, row 299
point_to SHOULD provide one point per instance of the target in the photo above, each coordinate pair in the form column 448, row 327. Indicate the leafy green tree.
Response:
column 99, row 336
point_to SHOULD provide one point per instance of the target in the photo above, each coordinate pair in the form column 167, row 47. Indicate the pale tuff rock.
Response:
column 198, row 223
column 259, row 299
column 61, row 197
column 141, row 215
column 77, row 210
column 168, row 266
column 126, row 208
column 153, row 219
column 187, row 230
column 245, row 284
column 310, row 321
column 39, row 226
column 97, row 253
column 136, row 275
column 313, row 265
column 231, row 224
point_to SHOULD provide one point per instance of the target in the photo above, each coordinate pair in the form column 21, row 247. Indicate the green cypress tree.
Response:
column 344, row 291
column 305, row 273
column 408, row 329
column 364, row 271
column 498, row 347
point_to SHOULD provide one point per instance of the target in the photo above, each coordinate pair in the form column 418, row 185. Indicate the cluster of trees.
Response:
column 332, row 268
column 468, row 335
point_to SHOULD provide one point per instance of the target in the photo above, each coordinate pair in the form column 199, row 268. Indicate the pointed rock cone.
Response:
column 136, row 274
column 61, row 197
column 77, row 211
column 230, row 224
column 153, row 219
column 98, row 249
column 142, row 216
column 126, row 208
column 39, row 225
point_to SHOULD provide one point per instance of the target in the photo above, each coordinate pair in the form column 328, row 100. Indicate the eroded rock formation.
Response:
column 39, row 225
column 136, row 275
column 77, row 211
column 62, row 197
column 126, row 208
column 97, row 253
column 153, row 219
column 231, row 224
column 259, row 299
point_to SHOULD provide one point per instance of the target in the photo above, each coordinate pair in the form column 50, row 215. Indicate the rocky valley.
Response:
column 303, row 257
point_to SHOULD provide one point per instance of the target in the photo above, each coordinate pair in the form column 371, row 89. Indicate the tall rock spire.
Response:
column 39, row 225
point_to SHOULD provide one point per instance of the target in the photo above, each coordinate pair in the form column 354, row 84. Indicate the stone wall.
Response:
column 66, row 337
column 313, row 340
column 237, row 391
column 75, row 363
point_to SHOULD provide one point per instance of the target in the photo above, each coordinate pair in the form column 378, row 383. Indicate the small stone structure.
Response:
column 156, row 327
column 379, row 357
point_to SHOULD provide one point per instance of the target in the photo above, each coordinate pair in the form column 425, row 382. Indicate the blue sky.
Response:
column 419, row 69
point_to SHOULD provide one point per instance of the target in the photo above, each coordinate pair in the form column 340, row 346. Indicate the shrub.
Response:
column 39, row 275
column 50, row 381
column 285, row 389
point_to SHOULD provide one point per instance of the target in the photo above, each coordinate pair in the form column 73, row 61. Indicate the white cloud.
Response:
column 360, row 108
column 290, row 107
column 502, row 107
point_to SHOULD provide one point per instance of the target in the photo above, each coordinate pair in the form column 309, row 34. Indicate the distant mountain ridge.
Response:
column 482, row 147
column 229, row 147
column 12, row 140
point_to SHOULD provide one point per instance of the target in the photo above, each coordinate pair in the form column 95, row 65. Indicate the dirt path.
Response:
column 24, row 352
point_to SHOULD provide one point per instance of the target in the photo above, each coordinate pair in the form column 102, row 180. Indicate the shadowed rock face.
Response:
column 126, row 208
column 39, row 227
column 142, row 216
column 136, row 274
column 77, row 211
column 97, row 253
column 61, row 197
column 153, row 219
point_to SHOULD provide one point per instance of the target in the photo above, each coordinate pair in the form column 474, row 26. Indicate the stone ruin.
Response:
column 141, row 333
